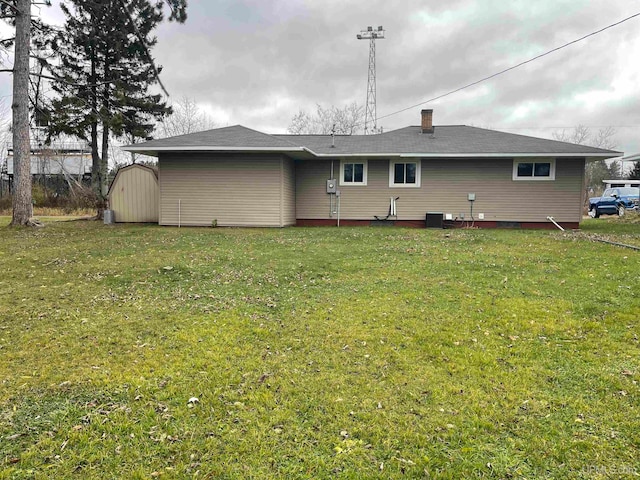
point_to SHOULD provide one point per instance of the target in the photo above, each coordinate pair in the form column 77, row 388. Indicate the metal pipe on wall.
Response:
column 331, row 195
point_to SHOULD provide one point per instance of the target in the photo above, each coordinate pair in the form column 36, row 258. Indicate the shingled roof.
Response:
column 445, row 140
column 235, row 137
column 448, row 141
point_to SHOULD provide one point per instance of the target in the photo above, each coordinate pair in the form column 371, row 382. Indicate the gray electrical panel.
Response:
column 332, row 185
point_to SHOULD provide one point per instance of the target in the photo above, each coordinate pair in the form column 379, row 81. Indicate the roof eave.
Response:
column 634, row 157
column 594, row 156
column 157, row 150
column 154, row 152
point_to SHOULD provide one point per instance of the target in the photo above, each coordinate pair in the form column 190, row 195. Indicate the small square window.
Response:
column 404, row 174
column 353, row 173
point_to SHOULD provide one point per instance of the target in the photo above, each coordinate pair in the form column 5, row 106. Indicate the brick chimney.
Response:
column 427, row 121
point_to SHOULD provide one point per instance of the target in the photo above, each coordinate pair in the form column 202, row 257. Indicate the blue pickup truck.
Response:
column 614, row 201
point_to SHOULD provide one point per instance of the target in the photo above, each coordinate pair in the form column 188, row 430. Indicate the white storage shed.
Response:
column 134, row 195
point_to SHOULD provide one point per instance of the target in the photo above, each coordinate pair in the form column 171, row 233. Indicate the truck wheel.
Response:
column 594, row 212
column 621, row 210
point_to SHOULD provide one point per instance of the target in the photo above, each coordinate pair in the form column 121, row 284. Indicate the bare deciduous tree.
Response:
column 604, row 138
column 186, row 118
column 582, row 135
column 599, row 170
column 579, row 135
column 348, row 120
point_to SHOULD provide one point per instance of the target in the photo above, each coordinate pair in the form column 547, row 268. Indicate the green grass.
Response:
column 318, row 353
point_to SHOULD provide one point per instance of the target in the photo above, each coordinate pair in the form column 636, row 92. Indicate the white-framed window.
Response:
column 404, row 174
column 530, row 169
column 353, row 172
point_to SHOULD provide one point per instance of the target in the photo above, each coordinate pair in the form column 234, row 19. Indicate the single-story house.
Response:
column 236, row 176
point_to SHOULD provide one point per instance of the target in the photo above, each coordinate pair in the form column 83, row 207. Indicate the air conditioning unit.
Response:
column 434, row 219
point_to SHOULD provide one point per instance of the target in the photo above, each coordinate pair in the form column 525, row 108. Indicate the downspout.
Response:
column 179, row 211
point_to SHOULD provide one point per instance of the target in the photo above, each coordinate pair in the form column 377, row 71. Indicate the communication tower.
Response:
column 370, row 118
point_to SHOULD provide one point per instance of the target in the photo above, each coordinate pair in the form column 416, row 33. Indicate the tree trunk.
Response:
column 22, row 201
column 96, row 161
column 96, row 168
column 104, row 170
column 104, row 165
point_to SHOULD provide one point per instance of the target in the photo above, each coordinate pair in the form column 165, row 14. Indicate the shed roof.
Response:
column 152, row 170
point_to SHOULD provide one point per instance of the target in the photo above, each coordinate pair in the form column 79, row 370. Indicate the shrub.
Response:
column 80, row 198
column 5, row 203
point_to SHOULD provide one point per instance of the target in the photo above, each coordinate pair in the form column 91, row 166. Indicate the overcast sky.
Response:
column 258, row 62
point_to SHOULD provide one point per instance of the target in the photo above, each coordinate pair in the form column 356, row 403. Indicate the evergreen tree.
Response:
column 635, row 173
column 105, row 74
column 600, row 170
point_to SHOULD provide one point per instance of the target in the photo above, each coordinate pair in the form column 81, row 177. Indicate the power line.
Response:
column 512, row 67
column 564, row 127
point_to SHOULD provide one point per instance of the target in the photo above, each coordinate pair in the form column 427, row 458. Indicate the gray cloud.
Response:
column 258, row 62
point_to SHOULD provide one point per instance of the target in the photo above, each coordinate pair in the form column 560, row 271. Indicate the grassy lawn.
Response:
column 318, row 353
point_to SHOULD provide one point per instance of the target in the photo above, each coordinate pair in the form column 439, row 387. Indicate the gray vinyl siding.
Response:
column 444, row 187
column 233, row 189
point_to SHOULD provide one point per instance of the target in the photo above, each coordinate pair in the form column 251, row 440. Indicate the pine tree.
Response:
column 105, row 74
column 635, row 173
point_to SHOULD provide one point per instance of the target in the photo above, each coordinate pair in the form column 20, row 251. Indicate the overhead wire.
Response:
column 563, row 127
column 513, row 67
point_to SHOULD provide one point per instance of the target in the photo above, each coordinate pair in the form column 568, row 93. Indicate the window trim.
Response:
column 392, row 165
column 552, row 170
column 365, row 171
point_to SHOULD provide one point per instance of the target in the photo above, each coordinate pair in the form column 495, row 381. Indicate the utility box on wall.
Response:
column 331, row 186
column 434, row 220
